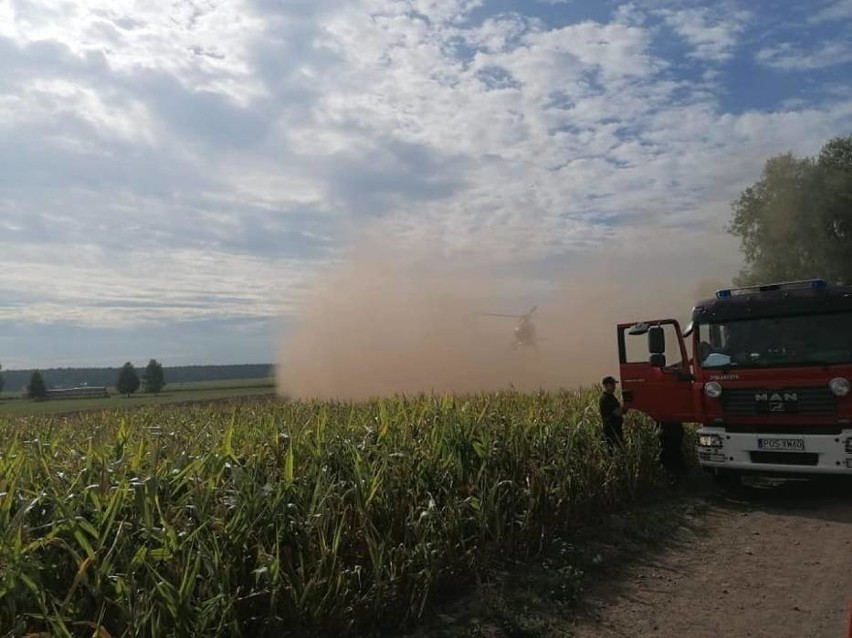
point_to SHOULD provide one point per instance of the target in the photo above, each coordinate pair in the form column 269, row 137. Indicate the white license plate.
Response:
column 785, row 445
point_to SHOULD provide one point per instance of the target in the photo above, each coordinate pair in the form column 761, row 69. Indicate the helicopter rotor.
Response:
column 497, row 314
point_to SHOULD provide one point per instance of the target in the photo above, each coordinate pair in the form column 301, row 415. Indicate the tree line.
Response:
column 18, row 380
column 128, row 382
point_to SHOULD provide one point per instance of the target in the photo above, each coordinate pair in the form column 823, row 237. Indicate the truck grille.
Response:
column 801, row 401
column 785, row 458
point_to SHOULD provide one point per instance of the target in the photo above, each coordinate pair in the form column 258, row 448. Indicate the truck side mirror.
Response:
column 658, row 361
column 656, row 340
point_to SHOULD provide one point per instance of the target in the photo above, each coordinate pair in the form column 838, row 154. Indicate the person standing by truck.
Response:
column 612, row 414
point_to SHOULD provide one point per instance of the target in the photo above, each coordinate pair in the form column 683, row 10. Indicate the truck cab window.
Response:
column 636, row 348
column 777, row 341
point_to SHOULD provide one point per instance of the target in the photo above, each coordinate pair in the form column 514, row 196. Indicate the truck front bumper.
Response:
column 775, row 453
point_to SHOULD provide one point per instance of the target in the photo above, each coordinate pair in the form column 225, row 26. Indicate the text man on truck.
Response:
column 765, row 371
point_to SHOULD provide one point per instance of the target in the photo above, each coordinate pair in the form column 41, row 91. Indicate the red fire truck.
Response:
column 764, row 372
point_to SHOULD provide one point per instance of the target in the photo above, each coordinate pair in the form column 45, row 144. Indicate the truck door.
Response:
column 661, row 384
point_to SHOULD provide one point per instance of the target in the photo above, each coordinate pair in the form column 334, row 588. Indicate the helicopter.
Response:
column 524, row 332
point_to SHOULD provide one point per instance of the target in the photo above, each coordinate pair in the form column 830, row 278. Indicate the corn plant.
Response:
column 291, row 517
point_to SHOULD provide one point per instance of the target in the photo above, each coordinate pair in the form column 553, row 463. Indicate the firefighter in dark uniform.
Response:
column 612, row 414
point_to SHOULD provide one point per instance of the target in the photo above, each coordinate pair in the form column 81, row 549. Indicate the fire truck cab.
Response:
column 764, row 371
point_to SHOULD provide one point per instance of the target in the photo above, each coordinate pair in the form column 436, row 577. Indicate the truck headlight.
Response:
column 839, row 386
column 713, row 390
column 709, row 440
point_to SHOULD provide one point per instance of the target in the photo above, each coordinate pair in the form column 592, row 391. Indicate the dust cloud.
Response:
column 379, row 326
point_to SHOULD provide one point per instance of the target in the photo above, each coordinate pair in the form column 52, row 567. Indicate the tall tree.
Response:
column 795, row 222
column 153, row 378
column 128, row 380
column 1, row 378
column 835, row 166
column 37, row 389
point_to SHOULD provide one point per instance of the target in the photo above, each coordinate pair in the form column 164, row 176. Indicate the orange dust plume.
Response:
column 379, row 326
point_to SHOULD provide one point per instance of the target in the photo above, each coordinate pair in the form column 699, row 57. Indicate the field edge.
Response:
column 547, row 595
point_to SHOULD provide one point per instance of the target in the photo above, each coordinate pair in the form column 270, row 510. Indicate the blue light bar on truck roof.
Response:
column 786, row 285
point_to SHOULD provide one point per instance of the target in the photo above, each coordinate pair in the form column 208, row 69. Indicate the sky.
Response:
column 177, row 176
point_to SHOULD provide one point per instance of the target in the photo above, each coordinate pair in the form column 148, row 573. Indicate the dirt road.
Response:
column 768, row 561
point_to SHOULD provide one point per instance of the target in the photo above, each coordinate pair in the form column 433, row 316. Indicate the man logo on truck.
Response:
column 776, row 397
column 777, row 402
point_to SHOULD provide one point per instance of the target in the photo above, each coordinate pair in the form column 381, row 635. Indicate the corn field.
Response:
column 286, row 518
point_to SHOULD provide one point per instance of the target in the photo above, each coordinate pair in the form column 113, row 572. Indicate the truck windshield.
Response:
column 777, row 341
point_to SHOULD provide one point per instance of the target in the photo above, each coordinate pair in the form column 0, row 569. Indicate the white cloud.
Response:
column 143, row 287
column 832, row 10
column 205, row 45
column 442, row 11
column 498, row 33
column 581, row 127
column 787, row 57
column 713, row 34
column 246, row 181
column 44, row 100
